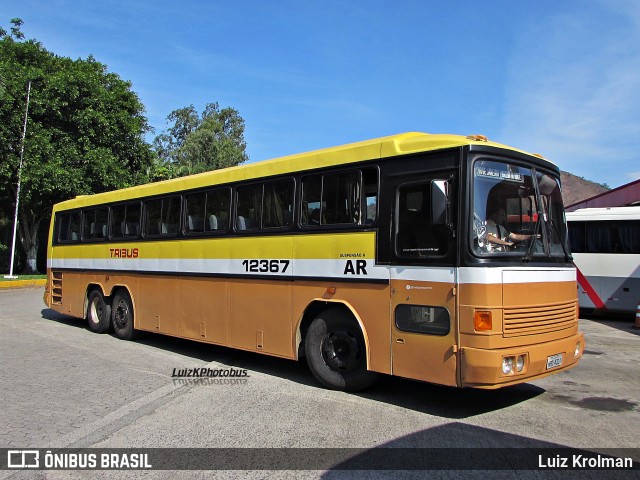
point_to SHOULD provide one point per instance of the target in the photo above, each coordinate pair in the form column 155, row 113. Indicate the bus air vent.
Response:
column 56, row 288
column 533, row 320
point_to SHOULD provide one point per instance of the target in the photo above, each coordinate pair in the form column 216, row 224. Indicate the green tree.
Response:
column 15, row 30
column 196, row 143
column 85, row 132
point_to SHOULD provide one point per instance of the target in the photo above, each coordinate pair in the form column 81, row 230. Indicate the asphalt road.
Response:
column 63, row 386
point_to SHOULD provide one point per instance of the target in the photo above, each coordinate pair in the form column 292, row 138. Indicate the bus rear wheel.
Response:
column 122, row 316
column 336, row 352
column 98, row 312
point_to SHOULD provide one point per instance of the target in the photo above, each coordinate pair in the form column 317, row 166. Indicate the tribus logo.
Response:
column 123, row 252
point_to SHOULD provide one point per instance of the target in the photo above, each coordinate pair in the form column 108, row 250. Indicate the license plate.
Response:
column 554, row 361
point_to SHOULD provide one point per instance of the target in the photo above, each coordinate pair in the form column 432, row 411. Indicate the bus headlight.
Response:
column 576, row 353
column 507, row 365
column 520, row 363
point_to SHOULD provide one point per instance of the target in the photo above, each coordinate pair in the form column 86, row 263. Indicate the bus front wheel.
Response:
column 336, row 352
column 98, row 312
column 122, row 316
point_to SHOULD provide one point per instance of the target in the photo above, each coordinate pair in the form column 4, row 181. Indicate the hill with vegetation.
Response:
column 576, row 189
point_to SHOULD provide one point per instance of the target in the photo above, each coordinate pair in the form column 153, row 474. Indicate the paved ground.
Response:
column 63, row 386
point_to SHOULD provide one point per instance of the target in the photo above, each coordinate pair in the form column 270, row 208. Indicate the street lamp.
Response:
column 15, row 218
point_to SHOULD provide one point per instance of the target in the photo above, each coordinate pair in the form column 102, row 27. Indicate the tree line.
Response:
column 86, row 133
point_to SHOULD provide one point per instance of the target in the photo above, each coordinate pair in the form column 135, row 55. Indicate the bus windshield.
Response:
column 517, row 212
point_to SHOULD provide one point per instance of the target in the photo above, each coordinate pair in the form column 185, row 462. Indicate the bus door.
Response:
column 423, row 305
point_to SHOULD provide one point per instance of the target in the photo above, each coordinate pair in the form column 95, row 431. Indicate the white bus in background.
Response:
column 605, row 243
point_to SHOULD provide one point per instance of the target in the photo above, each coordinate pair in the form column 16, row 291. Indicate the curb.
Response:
column 23, row 283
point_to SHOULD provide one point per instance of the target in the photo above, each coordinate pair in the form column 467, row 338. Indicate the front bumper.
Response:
column 483, row 368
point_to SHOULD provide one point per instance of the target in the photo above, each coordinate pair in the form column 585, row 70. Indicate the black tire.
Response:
column 336, row 352
column 122, row 316
column 98, row 312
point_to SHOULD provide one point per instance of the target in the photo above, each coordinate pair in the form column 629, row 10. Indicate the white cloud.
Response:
column 573, row 91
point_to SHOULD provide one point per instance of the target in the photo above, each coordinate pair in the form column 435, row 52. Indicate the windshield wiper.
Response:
column 532, row 241
column 567, row 255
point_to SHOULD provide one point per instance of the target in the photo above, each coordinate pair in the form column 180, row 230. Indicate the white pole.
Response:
column 15, row 218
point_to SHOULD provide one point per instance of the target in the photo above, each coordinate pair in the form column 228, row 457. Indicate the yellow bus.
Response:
column 439, row 258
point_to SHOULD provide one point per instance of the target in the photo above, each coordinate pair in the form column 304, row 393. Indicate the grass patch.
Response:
column 22, row 277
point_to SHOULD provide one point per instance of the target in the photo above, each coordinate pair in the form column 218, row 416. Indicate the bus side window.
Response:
column 249, row 207
column 277, row 204
column 195, row 206
column 125, row 220
column 338, row 198
column 153, row 217
column 599, row 237
column 88, row 224
column 117, row 221
column 132, row 227
column 162, row 216
column 216, row 217
column 629, row 232
column 100, row 230
column 341, row 198
column 577, row 237
column 94, row 224
column 311, row 201
column 370, row 181
column 62, row 227
column 170, row 224
column 75, row 227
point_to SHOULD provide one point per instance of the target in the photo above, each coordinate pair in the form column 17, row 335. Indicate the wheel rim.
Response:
column 121, row 314
column 341, row 350
column 97, row 311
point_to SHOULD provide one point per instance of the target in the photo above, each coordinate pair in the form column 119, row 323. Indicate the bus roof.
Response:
column 604, row 213
column 394, row 145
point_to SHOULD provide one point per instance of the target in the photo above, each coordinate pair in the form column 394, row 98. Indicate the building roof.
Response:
column 625, row 195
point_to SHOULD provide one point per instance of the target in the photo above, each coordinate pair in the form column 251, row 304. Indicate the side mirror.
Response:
column 439, row 202
column 546, row 184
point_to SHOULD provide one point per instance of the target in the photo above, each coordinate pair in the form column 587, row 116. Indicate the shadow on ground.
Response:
column 620, row 321
column 446, row 402
column 457, row 447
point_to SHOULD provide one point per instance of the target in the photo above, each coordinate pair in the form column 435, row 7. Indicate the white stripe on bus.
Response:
column 331, row 268
column 515, row 275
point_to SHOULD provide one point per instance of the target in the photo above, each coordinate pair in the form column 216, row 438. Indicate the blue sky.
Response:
column 561, row 78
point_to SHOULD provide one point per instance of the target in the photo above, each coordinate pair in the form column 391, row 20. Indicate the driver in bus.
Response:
column 498, row 236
